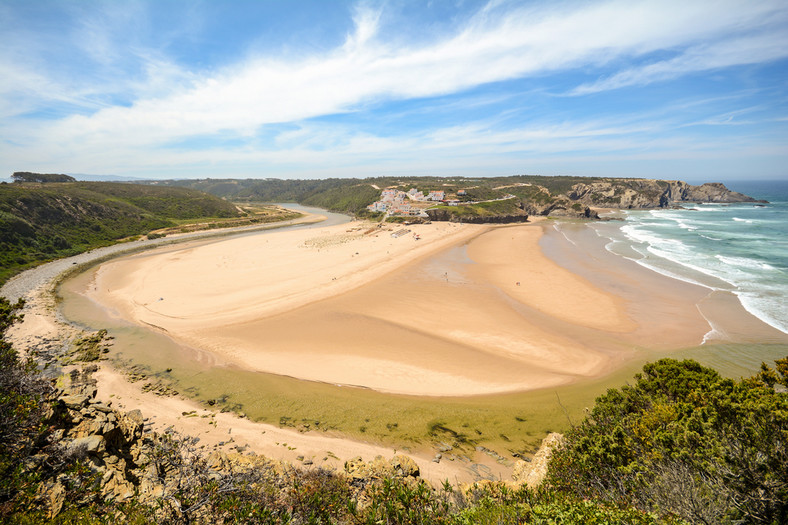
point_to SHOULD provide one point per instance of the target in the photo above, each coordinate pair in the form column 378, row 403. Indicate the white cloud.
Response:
column 701, row 58
column 170, row 102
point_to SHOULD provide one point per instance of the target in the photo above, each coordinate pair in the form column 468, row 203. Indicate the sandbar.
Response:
column 441, row 309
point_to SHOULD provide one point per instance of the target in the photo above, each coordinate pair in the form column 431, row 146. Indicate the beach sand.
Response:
column 463, row 311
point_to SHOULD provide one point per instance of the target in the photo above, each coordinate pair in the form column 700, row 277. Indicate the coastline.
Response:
column 613, row 315
column 495, row 314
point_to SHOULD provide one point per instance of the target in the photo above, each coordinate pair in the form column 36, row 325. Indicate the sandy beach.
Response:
column 438, row 310
column 462, row 310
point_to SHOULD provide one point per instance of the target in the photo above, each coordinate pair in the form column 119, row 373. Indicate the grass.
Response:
column 503, row 207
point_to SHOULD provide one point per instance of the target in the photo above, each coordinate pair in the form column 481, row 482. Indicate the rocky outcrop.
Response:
column 560, row 207
column 645, row 193
column 532, row 473
column 133, row 463
column 361, row 472
column 111, row 442
column 553, row 206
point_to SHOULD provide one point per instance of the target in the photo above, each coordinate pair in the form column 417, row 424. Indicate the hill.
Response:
column 40, row 222
column 512, row 197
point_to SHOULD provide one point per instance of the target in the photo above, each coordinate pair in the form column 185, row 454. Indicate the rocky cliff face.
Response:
column 643, row 193
column 560, row 207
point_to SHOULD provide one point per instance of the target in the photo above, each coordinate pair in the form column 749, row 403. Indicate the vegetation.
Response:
column 26, row 176
column 685, row 441
column 482, row 209
column 40, row 222
column 536, row 195
column 682, row 445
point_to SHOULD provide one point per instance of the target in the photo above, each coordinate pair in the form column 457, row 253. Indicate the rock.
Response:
column 646, row 193
column 101, row 407
column 448, row 215
column 532, row 473
column 75, row 401
column 53, row 496
column 356, row 467
column 131, row 424
column 151, row 489
column 114, row 485
column 437, row 458
column 404, row 466
column 92, row 444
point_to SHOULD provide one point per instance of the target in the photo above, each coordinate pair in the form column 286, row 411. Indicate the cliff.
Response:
column 646, row 193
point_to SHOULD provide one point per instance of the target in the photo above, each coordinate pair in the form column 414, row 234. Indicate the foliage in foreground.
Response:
column 249, row 491
column 30, row 456
column 686, row 441
column 681, row 445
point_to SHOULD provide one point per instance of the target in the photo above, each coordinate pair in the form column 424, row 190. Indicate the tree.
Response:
column 26, row 176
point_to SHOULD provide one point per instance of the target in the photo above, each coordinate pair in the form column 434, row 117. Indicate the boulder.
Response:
column 92, row 444
column 404, row 466
column 75, row 401
column 131, row 424
column 53, row 496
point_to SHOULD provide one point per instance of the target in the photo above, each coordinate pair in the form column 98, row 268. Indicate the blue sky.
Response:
column 687, row 90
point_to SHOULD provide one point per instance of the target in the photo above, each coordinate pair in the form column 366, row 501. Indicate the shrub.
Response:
column 684, row 440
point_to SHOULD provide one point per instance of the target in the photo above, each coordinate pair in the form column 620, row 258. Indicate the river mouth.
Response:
column 513, row 422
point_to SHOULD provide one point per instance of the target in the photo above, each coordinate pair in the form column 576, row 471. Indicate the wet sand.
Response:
column 465, row 310
column 442, row 317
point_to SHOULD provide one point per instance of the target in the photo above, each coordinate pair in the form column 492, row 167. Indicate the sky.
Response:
column 689, row 90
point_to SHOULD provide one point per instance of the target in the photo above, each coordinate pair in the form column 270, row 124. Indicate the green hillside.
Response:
column 534, row 195
column 40, row 222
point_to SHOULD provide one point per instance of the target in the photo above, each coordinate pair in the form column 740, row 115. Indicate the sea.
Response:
column 741, row 248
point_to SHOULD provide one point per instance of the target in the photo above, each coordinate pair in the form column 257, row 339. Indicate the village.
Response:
column 412, row 203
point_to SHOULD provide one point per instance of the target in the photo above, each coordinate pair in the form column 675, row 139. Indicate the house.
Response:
column 378, row 206
column 436, row 195
column 462, row 193
column 400, row 209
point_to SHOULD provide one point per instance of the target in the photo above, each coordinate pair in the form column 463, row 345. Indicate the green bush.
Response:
column 686, row 441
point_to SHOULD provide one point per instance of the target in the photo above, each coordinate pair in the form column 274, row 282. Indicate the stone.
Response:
column 101, row 408
column 53, row 495
column 92, row 444
column 404, row 466
column 75, row 401
column 533, row 473
column 356, row 467
column 131, row 425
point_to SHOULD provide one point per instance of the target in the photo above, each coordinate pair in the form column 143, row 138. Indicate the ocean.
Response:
column 741, row 248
